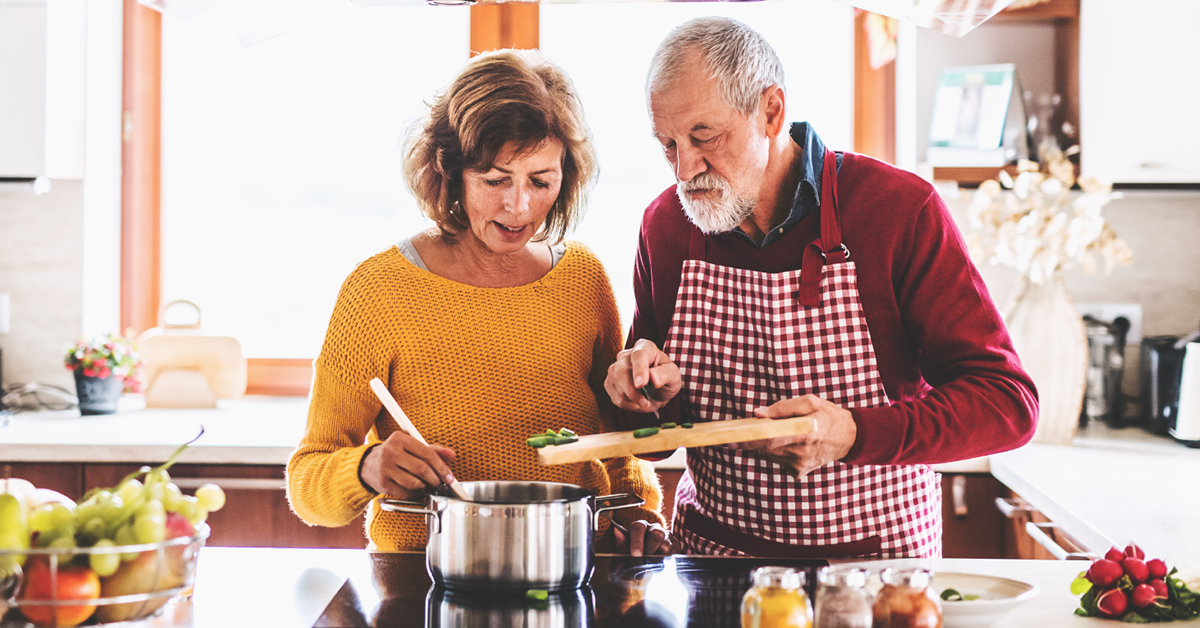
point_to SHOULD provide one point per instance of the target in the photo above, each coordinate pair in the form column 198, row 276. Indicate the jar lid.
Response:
column 778, row 577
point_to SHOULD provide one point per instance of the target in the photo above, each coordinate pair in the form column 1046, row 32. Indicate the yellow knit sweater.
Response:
column 476, row 370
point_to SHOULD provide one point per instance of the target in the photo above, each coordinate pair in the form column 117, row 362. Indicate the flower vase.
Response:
column 1049, row 336
column 98, row 395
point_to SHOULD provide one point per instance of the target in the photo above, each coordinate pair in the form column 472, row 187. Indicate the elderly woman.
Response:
column 486, row 328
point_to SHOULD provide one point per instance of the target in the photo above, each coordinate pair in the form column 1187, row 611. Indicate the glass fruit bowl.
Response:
column 58, row 587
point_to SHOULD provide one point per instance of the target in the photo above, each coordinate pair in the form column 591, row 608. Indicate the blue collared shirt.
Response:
column 808, row 194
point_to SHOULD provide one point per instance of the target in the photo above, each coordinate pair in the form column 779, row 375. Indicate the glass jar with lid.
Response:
column 777, row 599
column 907, row 600
column 843, row 599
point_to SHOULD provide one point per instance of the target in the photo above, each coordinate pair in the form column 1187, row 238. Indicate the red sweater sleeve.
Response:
column 956, row 384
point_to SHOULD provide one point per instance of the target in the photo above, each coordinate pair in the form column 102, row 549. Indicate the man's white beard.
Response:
column 717, row 215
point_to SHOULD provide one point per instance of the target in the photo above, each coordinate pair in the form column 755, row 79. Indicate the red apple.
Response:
column 74, row 583
column 1112, row 602
column 1104, row 572
column 1135, row 569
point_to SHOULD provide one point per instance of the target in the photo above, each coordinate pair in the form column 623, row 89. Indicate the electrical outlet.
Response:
column 1108, row 312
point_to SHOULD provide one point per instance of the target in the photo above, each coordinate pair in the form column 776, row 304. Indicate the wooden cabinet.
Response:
column 972, row 526
column 256, row 512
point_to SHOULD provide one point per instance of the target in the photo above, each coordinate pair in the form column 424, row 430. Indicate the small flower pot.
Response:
column 98, row 395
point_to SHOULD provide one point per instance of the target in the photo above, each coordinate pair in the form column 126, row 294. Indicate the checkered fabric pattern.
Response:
column 742, row 341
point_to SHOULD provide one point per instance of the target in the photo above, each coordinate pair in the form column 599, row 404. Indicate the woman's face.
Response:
column 508, row 204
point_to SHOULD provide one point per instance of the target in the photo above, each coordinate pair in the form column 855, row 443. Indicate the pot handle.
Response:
column 392, row 504
column 607, row 509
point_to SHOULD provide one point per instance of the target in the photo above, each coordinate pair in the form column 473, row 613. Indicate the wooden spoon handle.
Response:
column 393, row 408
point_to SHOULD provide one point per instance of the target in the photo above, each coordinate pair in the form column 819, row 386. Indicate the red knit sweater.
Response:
column 955, row 383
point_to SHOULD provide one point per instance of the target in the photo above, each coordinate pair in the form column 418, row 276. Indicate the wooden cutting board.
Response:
column 616, row 444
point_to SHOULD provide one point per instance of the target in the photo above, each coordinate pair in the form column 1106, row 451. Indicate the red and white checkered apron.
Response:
column 744, row 339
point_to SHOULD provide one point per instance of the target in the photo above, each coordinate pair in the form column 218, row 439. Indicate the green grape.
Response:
column 211, row 497
column 62, row 514
column 63, row 541
column 189, row 507
column 93, row 530
column 129, row 490
column 110, row 510
column 104, row 564
column 152, row 507
column 201, row 516
column 125, row 536
column 48, row 537
column 41, row 519
column 151, row 529
column 171, row 497
column 154, row 492
column 158, row 475
column 87, row 510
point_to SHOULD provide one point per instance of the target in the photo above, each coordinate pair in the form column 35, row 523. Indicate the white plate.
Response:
column 997, row 597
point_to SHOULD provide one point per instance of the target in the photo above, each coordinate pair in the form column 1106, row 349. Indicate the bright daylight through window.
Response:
column 281, row 161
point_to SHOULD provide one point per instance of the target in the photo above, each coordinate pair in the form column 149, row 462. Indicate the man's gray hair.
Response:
column 740, row 60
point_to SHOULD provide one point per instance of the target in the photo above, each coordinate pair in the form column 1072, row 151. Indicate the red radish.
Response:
column 1160, row 589
column 1143, row 595
column 1112, row 602
column 1133, row 551
column 1135, row 569
column 1158, row 569
column 1104, row 572
column 1115, row 555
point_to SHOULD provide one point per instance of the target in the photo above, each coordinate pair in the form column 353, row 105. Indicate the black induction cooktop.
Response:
column 676, row 591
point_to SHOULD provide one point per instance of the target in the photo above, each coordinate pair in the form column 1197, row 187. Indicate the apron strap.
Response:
column 830, row 245
column 751, row 545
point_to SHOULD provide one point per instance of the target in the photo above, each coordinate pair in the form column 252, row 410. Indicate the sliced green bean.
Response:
column 667, row 426
column 644, row 432
column 537, row 442
column 686, row 426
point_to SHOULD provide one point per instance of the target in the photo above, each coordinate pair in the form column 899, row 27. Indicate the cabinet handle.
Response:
column 1037, row 532
column 237, row 484
column 958, row 495
column 1011, row 508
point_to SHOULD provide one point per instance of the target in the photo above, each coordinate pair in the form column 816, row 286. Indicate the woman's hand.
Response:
column 403, row 467
column 644, row 538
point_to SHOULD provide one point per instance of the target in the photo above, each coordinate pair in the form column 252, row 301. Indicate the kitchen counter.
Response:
column 294, row 587
column 1110, row 487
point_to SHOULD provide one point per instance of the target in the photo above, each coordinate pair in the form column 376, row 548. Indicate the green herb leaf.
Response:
column 951, row 594
column 1080, row 585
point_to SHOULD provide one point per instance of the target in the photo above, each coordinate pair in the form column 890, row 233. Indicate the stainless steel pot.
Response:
column 562, row 609
column 511, row 535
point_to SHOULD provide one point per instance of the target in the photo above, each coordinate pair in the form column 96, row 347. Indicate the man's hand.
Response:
column 644, row 538
column 642, row 366
column 403, row 467
column 834, row 432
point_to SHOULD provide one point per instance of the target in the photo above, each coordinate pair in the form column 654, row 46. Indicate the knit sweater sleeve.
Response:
column 323, row 483
column 975, row 398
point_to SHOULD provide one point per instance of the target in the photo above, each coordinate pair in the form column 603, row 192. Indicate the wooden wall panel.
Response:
column 141, row 165
column 874, row 100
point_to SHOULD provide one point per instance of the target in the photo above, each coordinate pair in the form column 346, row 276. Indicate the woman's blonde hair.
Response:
column 499, row 97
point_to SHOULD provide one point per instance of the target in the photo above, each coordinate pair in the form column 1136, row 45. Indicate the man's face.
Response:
column 718, row 155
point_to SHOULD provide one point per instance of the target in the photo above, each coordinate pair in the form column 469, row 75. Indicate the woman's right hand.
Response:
column 403, row 467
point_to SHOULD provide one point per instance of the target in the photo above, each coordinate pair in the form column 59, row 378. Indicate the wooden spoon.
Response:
column 393, row 408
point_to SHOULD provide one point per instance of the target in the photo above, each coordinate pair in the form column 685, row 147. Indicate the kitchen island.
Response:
column 1110, row 487
column 303, row 588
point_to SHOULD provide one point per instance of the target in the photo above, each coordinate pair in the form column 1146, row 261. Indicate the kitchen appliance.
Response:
column 1160, row 371
column 1187, row 421
column 1102, row 399
column 187, row 369
column 511, row 535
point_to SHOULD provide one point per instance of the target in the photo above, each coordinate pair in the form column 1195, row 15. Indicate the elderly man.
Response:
column 781, row 279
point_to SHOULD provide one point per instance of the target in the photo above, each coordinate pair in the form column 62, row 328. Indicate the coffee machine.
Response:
column 1162, row 369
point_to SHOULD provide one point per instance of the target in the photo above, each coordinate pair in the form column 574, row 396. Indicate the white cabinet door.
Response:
column 1139, row 84
column 22, row 89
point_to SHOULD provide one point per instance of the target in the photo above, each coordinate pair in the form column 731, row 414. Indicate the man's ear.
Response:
column 773, row 110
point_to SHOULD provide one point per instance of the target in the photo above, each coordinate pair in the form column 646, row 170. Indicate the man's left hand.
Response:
column 834, row 432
